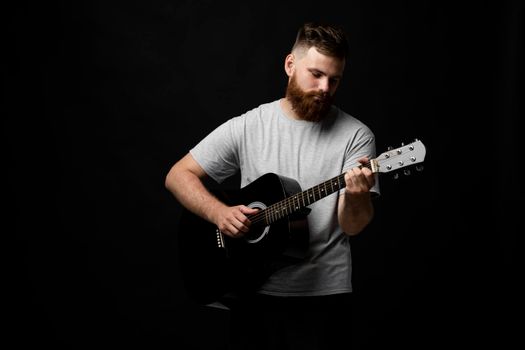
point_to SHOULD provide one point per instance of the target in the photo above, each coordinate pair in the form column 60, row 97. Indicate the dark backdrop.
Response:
column 103, row 97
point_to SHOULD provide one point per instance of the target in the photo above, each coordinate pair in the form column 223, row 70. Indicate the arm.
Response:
column 355, row 209
column 184, row 181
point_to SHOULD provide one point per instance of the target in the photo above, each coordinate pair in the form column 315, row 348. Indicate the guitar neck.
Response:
column 393, row 159
column 303, row 199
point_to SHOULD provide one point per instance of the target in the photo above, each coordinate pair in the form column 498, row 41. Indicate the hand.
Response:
column 359, row 180
column 233, row 221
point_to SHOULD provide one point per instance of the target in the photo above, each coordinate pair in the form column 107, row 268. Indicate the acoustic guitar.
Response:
column 214, row 265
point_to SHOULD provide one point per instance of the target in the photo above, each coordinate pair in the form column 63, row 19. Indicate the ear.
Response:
column 289, row 64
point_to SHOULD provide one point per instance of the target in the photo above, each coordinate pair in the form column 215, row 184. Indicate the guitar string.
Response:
column 287, row 206
column 317, row 190
column 289, row 202
column 261, row 216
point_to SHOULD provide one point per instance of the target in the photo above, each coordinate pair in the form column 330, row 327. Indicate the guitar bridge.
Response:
column 220, row 238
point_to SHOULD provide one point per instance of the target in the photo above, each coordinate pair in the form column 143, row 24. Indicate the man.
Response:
column 305, row 137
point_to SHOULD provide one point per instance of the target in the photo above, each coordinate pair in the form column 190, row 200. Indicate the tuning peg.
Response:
column 406, row 172
column 389, row 148
column 396, row 176
column 419, row 167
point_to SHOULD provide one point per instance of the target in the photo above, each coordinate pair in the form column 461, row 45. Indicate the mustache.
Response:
column 320, row 95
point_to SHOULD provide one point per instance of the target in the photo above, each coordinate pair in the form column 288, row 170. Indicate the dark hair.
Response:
column 328, row 39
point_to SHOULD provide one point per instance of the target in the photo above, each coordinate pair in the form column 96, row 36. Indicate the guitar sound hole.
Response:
column 255, row 234
column 257, row 231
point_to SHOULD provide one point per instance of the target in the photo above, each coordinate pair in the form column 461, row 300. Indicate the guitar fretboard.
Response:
column 394, row 159
column 301, row 200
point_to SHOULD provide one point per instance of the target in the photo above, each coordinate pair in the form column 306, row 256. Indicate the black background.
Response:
column 103, row 97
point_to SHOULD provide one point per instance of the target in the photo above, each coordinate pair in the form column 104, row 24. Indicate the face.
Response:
column 313, row 81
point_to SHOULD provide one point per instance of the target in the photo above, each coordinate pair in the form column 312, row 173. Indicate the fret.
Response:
column 275, row 213
column 299, row 200
column 339, row 186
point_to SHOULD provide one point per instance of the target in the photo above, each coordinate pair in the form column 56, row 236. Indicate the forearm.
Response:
column 189, row 190
column 355, row 212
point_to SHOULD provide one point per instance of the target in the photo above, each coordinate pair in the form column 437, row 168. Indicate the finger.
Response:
column 241, row 227
column 358, row 180
column 371, row 179
column 366, row 181
column 241, row 222
column 366, row 176
column 348, row 178
column 233, row 231
column 240, row 216
column 247, row 210
column 363, row 160
column 247, row 213
column 366, row 171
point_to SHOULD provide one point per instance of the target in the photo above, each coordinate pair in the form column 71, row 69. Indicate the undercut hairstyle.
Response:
column 330, row 40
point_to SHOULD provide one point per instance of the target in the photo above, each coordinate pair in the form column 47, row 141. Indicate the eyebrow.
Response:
column 315, row 70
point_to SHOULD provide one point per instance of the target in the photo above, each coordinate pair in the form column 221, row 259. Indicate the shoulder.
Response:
column 257, row 115
column 347, row 118
column 349, row 123
column 263, row 109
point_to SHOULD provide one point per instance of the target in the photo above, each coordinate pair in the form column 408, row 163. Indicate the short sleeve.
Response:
column 362, row 145
column 218, row 152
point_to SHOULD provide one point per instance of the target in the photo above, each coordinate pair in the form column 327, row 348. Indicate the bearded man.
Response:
column 305, row 137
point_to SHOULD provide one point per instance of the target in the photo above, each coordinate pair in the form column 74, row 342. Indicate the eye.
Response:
column 316, row 74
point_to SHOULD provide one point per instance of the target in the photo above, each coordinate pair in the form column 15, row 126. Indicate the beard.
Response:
column 310, row 106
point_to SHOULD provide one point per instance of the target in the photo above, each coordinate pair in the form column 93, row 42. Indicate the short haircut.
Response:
column 330, row 40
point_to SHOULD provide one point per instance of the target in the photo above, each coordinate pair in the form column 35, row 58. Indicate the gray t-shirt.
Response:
column 265, row 140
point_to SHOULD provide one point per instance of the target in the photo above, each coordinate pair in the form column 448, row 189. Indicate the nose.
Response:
column 324, row 84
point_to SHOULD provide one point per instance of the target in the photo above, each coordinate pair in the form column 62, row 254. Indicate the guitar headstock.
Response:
column 404, row 156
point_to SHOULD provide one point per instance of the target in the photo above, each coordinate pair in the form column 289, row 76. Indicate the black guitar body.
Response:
column 214, row 265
